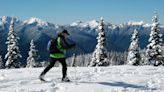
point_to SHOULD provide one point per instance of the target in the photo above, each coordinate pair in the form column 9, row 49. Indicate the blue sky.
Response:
column 68, row 11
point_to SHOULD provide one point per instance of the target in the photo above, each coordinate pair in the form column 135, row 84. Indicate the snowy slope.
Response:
column 102, row 79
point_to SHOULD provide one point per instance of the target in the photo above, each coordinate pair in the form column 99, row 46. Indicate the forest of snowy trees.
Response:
column 153, row 54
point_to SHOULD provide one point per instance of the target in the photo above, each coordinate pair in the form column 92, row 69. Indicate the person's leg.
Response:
column 52, row 62
column 64, row 67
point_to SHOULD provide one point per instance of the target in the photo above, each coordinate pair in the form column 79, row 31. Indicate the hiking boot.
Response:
column 66, row 79
column 41, row 77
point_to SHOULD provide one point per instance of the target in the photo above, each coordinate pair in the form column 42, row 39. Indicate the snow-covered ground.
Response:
column 85, row 79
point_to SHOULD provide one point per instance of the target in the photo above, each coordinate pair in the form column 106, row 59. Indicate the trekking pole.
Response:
column 73, row 60
column 76, row 79
column 73, row 65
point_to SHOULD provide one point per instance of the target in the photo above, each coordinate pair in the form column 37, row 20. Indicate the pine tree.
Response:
column 99, row 57
column 1, row 63
column 134, row 57
column 154, row 51
column 13, row 54
column 31, row 60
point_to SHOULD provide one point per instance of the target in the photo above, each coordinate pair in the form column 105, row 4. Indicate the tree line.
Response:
column 153, row 54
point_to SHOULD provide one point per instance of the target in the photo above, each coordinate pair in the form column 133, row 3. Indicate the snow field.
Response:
column 85, row 79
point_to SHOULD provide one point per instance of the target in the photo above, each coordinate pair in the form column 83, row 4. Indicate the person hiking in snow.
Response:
column 57, row 53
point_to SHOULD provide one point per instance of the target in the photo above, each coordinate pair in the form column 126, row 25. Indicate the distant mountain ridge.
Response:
column 83, row 33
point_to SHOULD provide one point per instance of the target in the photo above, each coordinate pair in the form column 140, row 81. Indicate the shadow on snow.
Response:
column 121, row 84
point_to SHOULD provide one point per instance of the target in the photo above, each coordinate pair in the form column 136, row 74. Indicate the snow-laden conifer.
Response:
column 154, row 51
column 134, row 57
column 31, row 60
column 13, row 54
column 99, row 57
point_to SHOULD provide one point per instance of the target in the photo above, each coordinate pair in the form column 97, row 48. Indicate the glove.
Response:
column 73, row 45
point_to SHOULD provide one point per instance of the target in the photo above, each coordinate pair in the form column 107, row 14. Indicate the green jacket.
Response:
column 62, row 46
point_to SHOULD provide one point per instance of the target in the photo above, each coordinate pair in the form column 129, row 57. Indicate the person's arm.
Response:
column 65, row 44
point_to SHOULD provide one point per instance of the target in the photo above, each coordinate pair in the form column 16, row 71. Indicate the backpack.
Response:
column 51, row 46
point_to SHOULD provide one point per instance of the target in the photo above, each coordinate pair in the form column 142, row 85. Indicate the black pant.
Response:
column 52, row 63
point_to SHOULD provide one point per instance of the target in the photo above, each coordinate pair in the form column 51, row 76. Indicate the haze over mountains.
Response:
column 83, row 33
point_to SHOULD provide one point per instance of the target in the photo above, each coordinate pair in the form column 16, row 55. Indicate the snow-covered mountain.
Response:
column 83, row 33
column 36, row 21
column 92, row 24
column 7, row 20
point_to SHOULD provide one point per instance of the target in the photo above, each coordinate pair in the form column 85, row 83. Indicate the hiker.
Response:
column 57, row 53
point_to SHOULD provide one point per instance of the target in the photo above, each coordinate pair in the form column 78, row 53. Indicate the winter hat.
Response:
column 65, row 31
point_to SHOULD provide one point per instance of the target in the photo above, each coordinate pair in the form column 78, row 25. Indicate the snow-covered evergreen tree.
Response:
column 134, row 57
column 31, row 60
column 99, row 57
column 1, row 63
column 154, row 51
column 13, row 54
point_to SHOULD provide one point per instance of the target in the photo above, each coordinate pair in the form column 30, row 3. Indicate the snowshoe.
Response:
column 42, row 78
column 66, row 79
